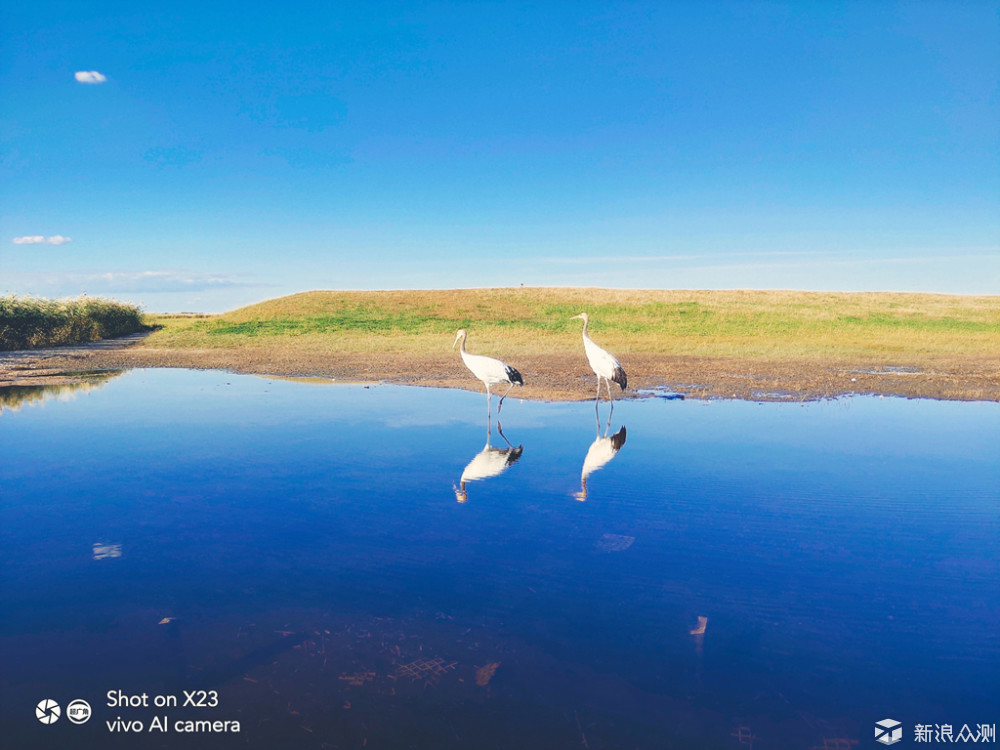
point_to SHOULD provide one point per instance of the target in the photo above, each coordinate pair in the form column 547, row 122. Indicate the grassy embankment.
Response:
column 752, row 345
column 861, row 328
column 32, row 322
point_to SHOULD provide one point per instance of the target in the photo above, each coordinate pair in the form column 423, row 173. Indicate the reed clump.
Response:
column 33, row 322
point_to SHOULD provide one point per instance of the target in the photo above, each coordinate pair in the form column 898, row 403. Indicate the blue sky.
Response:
column 236, row 152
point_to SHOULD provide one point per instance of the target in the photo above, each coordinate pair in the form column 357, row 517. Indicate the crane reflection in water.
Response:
column 489, row 462
column 601, row 451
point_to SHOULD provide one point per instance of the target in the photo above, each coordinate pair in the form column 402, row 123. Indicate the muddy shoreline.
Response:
column 554, row 376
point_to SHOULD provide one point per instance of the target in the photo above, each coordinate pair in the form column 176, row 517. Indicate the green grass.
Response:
column 737, row 323
column 32, row 322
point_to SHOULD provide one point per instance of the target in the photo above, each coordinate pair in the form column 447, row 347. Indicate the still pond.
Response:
column 342, row 566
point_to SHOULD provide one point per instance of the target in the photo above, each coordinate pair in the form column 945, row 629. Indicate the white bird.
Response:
column 602, row 450
column 490, row 371
column 604, row 365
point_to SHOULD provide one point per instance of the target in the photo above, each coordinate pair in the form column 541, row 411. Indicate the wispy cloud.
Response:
column 853, row 261
column 37, row 239
column 89, row 76
column 597, row 259
column 159, row 281
column 61, row 283
column 776, row 258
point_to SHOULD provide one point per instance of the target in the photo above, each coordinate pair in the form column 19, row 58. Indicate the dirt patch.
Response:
column 548, row 376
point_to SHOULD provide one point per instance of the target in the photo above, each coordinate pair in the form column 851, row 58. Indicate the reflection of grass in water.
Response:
column 724, row 323
column 13, row 397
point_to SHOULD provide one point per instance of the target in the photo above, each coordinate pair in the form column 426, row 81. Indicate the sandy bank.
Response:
column 560, row 376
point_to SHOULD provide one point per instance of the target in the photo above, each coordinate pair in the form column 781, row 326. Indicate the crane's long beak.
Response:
column 577, row 317
column 459, row 336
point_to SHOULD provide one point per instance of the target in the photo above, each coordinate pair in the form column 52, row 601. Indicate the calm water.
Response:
column 312, row 554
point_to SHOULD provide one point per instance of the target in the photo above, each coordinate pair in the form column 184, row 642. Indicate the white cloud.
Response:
column 37, row 239
column 71, row 283
column 158, row 281
column 89, row 76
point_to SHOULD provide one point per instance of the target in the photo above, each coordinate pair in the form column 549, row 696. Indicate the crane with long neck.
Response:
column 604, row 365
column 489, row 370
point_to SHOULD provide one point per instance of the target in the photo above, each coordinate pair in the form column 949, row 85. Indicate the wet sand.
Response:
column 548, row 376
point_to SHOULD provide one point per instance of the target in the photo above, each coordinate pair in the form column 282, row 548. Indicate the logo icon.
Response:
column 47, row 711
column 78, row 711
column 888, row 731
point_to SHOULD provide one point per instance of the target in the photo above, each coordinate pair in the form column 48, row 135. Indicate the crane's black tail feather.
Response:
column 618, row 439
column 620, row 377
column 514, row 376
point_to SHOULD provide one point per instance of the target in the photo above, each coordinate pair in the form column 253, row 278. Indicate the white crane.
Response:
column 490, row 371
column 604, row 365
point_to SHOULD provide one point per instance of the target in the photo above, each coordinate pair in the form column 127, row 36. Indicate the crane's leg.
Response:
column 489, row 414
column 597, row 401
column 597, row 411
column 500, row 405
column 500, row 430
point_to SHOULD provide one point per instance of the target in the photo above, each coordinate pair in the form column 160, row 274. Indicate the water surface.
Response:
column 313, row 555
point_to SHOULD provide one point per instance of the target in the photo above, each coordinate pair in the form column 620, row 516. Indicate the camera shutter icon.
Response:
column 888, row 731
column 47, row 711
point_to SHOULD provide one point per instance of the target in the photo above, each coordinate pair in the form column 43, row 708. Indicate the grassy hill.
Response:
column 764, row 324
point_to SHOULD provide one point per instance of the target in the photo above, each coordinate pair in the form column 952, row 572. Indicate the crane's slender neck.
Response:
column 586, row 322
column 462, row 348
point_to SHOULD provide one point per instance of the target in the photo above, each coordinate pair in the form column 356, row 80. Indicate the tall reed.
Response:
column 32, row 322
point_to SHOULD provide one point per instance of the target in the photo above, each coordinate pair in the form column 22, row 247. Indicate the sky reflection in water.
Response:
column 845, row 554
